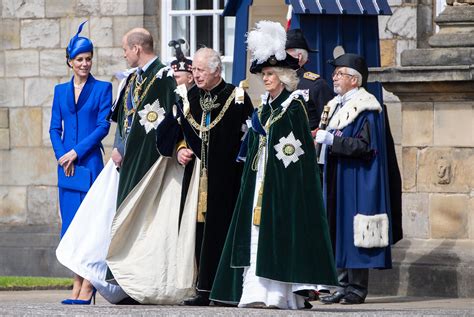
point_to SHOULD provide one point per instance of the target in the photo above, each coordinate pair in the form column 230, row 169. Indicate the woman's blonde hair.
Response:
column 287, row 76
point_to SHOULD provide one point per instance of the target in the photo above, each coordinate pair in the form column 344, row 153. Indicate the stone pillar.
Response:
column 436, row 89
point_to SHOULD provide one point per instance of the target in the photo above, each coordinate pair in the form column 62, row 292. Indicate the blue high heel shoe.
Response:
column 85, row 302
column 67, row 301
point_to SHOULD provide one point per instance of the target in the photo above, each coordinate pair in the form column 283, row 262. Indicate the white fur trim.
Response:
column 125, row 73
column 294, row 95
column 167, row 69
column 360, row 102
column 371, row 231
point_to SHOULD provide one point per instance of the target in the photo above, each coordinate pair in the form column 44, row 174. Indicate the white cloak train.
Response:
column 152, row 261
column 148, row 258
column 84, row 246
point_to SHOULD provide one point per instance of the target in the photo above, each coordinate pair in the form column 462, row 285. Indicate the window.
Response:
column 440, row 6
column 199, row 22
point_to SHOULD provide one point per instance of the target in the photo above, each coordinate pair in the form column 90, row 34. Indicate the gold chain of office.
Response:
column 138, row 99
column 219, row 117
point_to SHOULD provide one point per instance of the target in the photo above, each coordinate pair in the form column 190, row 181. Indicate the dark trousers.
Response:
column 354, row 281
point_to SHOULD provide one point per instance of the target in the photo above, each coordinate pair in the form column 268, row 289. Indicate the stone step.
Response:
column 436, row 267
column 30, row 251
column 438, row 57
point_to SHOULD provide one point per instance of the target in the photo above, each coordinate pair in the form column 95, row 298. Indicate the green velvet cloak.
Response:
column 294, row 244
column 141, row 152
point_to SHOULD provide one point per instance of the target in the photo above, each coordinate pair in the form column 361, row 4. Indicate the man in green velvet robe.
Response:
column 144, row 95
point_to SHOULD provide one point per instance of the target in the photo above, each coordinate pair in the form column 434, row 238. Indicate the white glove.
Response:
column 324, row 137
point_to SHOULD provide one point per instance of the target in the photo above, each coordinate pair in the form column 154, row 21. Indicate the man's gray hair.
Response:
column 304, row 55
column 356, row 74
column 288, row 77
column 213, row 58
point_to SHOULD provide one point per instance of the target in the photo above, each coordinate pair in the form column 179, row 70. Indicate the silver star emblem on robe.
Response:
column 151, row 116
column 288, row 149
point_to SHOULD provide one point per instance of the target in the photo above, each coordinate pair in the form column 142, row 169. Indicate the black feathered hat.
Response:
column 266, row 43
column 181, row 63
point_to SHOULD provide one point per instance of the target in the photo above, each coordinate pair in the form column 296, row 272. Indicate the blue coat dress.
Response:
column 85, row 125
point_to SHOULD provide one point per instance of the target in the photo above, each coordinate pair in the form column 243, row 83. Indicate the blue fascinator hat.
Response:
column 78, row 44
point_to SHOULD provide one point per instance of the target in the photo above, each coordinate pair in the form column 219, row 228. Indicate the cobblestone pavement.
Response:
column 46, row 303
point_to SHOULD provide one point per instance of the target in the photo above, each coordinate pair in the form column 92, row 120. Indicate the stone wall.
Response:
column 33, row 37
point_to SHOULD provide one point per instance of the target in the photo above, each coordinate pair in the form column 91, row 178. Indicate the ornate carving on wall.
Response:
column 443, row 171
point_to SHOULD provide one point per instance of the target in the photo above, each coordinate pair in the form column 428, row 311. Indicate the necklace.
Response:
column 80, row 86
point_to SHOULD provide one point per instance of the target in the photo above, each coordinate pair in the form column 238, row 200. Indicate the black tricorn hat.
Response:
column 353, row 61
column 295, row 39
column 288, row 62
column 181, row 63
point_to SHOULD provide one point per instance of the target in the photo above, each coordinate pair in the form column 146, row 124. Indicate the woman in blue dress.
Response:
column 78, row 125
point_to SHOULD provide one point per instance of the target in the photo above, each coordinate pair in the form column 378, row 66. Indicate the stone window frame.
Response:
column 167, row 14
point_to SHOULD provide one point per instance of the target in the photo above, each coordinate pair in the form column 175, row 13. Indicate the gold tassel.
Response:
column 257, row 212
column 202, row 202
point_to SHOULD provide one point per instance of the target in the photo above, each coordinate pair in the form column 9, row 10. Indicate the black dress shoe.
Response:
column 351, row 299
column 128, row 301
column 332, row 299
column 198, row 300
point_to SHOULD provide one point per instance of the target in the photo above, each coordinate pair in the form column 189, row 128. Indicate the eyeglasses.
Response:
column 339, row 75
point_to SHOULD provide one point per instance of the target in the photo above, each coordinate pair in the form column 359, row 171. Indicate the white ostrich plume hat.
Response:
column 267, row 39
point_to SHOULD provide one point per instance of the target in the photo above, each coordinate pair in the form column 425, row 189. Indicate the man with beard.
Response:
column 362, row 182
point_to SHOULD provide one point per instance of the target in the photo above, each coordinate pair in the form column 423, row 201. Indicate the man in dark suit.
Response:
column 319, row 91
